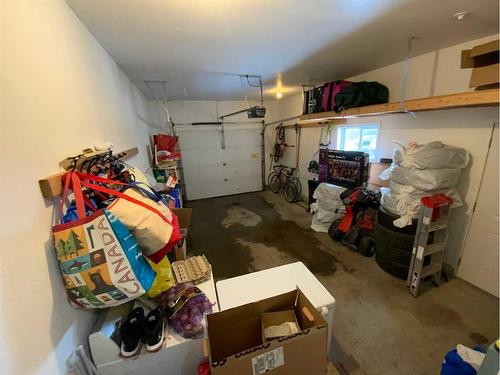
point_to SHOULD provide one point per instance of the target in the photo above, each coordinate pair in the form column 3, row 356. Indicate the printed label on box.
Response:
column 268, row 361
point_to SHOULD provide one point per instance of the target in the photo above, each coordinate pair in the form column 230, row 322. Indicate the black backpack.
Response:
column 359, row 94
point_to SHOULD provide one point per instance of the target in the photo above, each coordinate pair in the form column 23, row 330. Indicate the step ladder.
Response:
column 430, row 242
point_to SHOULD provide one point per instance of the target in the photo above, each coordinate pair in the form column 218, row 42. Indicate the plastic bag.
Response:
column 422, row 179
column 328, row 196
column 164, row 278
column 405, row 201
column 433, row 155
column 328, row 206
column 322, row 218
column 186, row 306
column 418, row 194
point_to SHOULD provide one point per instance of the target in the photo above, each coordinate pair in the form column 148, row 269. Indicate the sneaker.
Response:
column 153, row 335
column 132, row 331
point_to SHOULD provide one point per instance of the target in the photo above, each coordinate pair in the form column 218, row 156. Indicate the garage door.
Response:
column 211, row 170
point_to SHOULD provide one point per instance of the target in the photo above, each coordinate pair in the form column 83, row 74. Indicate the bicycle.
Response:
column 284, row 178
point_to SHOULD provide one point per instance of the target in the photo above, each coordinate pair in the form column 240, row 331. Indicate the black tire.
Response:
column 269, row 178
column 385, row 218
column 387, row 237
column 366, row 247
column 333, row 231
column 399, row 256
column 290, row 192
column 275, row 184
column 395, row 269
column 298, row 185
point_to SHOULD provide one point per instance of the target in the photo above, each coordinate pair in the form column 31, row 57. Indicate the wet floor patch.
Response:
column 244, row 233
column 242, row 216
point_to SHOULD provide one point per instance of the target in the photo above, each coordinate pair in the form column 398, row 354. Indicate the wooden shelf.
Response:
column 479, row 98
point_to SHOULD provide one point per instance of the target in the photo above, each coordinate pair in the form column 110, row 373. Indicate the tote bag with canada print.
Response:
column 99, row 259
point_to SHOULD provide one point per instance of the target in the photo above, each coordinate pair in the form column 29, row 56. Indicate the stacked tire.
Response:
column 393, row 245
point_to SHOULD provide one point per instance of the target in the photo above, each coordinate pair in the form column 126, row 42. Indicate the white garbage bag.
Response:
column 418, row 194
column 405, row 201
column 422, row 179
column 328, row 206
column 323, row 219
column 328, row 196
column 432, row 155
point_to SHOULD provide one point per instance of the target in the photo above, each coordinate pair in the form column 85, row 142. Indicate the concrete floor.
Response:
column 376, row 320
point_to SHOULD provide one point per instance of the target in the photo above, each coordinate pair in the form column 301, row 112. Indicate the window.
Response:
column 359, row 138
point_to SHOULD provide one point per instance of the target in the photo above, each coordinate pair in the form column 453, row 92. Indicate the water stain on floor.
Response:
column 240, row 215
column 244, row 233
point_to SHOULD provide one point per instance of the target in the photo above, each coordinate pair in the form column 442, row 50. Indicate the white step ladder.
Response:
column 430, row 242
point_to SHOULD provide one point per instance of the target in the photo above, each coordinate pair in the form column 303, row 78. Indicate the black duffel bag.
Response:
column 359, row 94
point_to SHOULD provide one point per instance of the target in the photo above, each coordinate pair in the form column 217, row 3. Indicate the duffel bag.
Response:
column 100, row 261
column 359, row 94
column 330, row 90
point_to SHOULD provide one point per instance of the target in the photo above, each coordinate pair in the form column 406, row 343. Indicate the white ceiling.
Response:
column 199, row 46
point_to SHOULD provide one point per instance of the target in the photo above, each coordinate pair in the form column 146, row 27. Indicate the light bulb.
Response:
column 279, row 95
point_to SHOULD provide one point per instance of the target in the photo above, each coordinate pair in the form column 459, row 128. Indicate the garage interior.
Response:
column 336, row 160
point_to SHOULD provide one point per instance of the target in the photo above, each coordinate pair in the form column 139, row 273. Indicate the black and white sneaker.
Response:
column 132, row 331
column 154, row 328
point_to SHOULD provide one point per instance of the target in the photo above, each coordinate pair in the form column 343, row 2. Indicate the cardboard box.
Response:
column 374, row 181
column 484, row 59
column 348, row 169
column 277, row 318
column 236, row 346
column 184, row 217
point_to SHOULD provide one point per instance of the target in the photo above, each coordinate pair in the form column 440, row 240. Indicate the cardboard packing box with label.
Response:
column 484, row 61
column 236, row 344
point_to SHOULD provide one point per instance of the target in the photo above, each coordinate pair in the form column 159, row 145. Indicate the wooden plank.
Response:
column 51, row 186
column 318, row 124
column 462, row 100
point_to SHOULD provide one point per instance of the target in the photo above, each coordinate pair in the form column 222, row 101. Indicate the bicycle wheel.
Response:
column 275, row 183
column 270, row 177
column 290, row 191
column 298, row 185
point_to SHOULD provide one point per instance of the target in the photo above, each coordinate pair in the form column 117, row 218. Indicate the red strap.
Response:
column 89, row 203
column 77, row 191
column 67, row 179
column 91, row 177
column 126, row 197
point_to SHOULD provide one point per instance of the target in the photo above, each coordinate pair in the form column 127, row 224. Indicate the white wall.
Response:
column 467, row 128
column 60, row 92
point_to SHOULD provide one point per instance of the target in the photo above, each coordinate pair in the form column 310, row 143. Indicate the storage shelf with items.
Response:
column 461, row 100
column 167, row 168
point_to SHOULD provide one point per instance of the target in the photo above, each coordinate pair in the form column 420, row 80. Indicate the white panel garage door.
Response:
column 210, row 170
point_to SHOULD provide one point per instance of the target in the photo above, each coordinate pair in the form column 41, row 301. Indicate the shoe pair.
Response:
column 139, row 329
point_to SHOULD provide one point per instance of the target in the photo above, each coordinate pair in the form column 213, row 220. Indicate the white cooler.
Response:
column 178, row 356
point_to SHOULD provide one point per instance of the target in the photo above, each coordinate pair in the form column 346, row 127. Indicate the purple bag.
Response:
column 330, row 90
column 186, row 305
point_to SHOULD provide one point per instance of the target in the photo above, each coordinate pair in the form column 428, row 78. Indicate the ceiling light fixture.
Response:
column 279, row 95
column 460, row 15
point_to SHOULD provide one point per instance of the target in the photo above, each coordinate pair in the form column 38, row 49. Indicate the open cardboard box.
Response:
column 484, row 61
column 277, row 318
column 236, row 346
column 184, row 217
